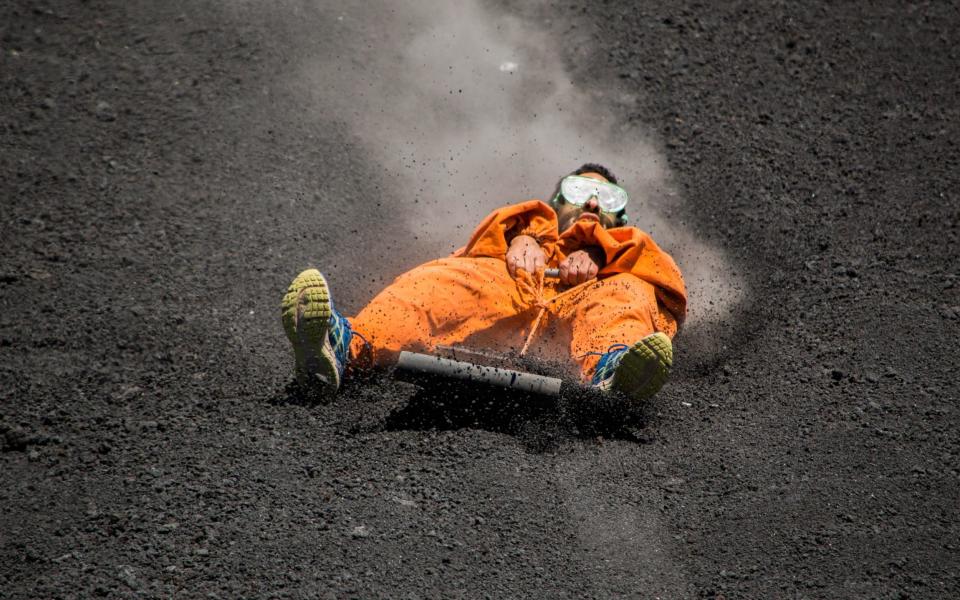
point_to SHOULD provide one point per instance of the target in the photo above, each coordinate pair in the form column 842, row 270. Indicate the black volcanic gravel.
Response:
column 149, row 446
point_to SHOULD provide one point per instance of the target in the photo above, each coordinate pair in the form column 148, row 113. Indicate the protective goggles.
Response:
column 578, row 190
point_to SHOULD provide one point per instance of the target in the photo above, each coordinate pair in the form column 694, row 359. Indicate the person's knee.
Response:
column 623, row 288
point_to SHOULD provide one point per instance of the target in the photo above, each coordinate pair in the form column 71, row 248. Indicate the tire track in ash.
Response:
column 619, row 524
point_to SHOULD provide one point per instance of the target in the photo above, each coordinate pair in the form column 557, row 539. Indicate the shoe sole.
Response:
column 306, row 311
column 645, row 367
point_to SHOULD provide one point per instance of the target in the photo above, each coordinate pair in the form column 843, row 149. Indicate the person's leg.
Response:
column 619, row 336
column 443, row 302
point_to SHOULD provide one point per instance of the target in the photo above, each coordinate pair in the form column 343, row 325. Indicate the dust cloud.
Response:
column 464, row 109
column 467, row 110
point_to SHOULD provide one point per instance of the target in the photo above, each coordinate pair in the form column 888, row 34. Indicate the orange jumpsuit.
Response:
column 470, row 300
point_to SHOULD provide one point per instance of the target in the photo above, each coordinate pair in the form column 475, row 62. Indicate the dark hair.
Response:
column 599, row 170
column 591, row 168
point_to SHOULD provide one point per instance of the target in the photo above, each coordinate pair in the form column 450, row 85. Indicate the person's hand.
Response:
column 525, row 253
column 580, row 266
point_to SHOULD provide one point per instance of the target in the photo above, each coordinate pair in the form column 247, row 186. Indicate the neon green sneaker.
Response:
column 638, row 371
column 320, row 336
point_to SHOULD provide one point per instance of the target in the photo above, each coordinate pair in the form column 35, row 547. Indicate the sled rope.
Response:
column 543, row 304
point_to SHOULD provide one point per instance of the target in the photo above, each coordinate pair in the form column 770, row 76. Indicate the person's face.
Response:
column 568, row 214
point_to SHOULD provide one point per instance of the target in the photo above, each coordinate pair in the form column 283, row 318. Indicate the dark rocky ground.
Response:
column 149, row 447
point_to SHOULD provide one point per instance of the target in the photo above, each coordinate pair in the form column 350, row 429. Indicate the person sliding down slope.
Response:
column 618, row 303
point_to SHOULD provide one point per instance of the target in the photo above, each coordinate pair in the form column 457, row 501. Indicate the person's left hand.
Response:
column 579, row 267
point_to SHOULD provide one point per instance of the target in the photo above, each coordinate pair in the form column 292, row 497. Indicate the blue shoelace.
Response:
column 609, row 361
column 341, row 333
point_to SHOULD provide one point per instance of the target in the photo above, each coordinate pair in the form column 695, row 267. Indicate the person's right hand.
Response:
column 525, row 253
